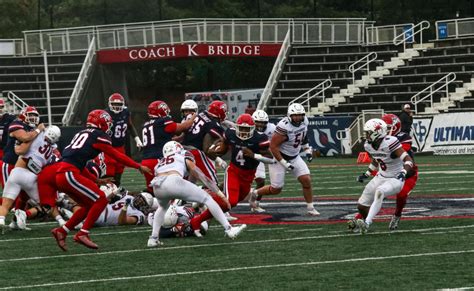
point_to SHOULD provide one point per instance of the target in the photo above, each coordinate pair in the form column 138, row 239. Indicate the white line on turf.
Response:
column 246, row 268
column 233, row 243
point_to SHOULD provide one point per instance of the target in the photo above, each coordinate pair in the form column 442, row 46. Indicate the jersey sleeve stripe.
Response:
column 264, row 143
column 15, row 126
column 104, row 140
column 168, row 122
column 281, row 131
column 394, row 146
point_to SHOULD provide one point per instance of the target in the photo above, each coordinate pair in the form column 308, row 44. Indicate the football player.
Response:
column 34, row 156
column 156, row 132
column 393, row 126
column 262, row 125
column 249, row 148
column 286, row 144
column 169, row 184
column 85, row 146
column 121, row 123
column 392, row 162
column 205, row 130
column 188, row 109
column 5, row 120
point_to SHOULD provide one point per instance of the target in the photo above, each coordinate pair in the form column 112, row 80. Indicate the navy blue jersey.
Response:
column 9, row 155
column 203, row 124
column 256, row 143
column 5, row 121
column 120, row 126
column 155, row 133
column 81, row 149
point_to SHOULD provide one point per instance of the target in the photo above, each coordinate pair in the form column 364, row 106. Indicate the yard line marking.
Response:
column 455, row 289
column 228, row 244
column 246, row 268
column 442, row 232
column 305, row 229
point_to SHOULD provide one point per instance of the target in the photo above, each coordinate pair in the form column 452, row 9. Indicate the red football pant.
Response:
column 114, row 167
column 47, row 188
column 402, row 196
column 150, row 163
column 205, row 164
column 86, row 193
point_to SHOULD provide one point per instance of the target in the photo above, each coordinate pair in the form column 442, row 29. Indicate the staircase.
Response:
column 309, row 65
column 25, row 77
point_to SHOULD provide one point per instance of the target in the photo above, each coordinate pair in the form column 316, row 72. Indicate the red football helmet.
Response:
column 158, row 109
column 245, row 126
column 2, row 107
column 217, row 109
column 116, row 103
column 393, row 123
column 100, row 119
column 29, row 115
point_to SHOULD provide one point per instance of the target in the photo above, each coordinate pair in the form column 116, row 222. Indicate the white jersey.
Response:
column 111, row 213
column 389, row 166
column 39, row 154
column 295, row 136
column 176, row 162
column 269, row 130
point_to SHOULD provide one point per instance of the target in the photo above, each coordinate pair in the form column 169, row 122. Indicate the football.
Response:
column 219, row 148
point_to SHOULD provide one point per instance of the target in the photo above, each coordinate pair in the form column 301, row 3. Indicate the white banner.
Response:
column 445, row 134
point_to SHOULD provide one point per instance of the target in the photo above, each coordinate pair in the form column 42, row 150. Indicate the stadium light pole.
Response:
column 46, row 78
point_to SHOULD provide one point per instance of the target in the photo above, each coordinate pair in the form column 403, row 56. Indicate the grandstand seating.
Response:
column 309, row 65
column 25, row 77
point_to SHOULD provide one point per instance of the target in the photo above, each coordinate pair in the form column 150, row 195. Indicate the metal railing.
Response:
column 385, row 34
column 17, row 102
column 12, row 47
column 408, row 36
column 454, row 28
column 276, row 72
column 356, row 129
column 242, row 30
column 362, row 63
column 315, row 92
column 80, row 84
column 430, row 90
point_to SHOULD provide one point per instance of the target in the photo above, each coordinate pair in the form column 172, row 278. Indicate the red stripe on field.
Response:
column 260, row 219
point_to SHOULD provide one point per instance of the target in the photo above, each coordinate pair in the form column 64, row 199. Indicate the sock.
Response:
column 375, row 207
column 309, row 206
column 84, row 231
column 198, row 219
column 28, row 213
column 76, row 218
column 158, row 220
column 259, row 197
column 2, row 220
column 65, row 228
column 358, row 216
column 60, row 219
column 94, row 212
column 217, row 213
column 401, row 202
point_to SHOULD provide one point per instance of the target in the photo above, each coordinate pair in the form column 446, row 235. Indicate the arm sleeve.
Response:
column 170, row 126
column 121, row 158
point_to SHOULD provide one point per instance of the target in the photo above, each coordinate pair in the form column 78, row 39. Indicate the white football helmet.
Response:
column 171, row 217
column 52, row 133
column 295, row 109
column 145, row 202
column 375, row 129
column 260, row 116
column 171, row 148
column 189, row 105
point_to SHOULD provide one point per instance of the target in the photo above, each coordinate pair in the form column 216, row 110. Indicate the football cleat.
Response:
column 154, row 242
column 60, row 235
column 313, row 212
column 352, row 225
column 83, row 238
column 13, row 225
column 257, row 209
column 363, row 226
column 20, row 216
column 234, row 231
column 394, row 222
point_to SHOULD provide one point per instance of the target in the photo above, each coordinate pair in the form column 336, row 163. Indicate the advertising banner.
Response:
column 445, row 134
column 187, row 51
column 322, row 133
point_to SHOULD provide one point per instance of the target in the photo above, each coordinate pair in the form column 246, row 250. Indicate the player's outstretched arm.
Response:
column 22, row 148
column 185, row 125
column 275, row 142
column 26, row 136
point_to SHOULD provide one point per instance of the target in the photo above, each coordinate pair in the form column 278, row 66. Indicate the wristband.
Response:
column 368, row 173
column 372, row 167
column 408, row 163
column 38, row 131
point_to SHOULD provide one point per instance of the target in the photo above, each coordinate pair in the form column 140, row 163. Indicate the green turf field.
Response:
column 422, row 254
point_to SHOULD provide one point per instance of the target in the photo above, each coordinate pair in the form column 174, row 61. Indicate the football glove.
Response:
column 362, row 178
column 402, row 176
column 139, row 143
column 309, row 154
column 287, row 165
